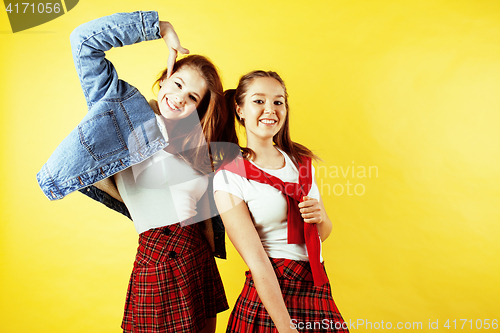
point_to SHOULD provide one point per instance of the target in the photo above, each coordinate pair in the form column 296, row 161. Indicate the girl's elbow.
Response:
column 326, row 230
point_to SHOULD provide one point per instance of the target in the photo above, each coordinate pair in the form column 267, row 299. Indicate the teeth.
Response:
column 172, row 106
column 267, row 121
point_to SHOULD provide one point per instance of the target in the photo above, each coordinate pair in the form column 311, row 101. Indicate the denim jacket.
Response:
column 120, row 128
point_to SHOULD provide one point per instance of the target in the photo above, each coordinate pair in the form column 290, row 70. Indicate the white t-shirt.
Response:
column 268, row 207
column 161, row 190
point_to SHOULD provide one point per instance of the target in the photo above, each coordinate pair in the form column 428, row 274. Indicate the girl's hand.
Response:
column 310, row 209
column 170, row 37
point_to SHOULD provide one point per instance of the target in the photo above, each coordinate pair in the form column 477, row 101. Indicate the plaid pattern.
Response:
column 305, row 302
column 175, row 284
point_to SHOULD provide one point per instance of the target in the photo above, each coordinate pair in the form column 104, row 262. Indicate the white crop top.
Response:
column 268, row 207
column 161, row 190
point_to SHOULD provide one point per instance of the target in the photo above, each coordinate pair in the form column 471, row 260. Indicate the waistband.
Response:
column 289, row 269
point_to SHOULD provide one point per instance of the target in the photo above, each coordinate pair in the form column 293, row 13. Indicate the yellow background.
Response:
column 409, row 87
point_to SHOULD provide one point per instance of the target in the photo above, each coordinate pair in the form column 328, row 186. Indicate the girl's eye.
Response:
column 258, row 101
column 178, row 85
column 278, row 103
column 193, row 98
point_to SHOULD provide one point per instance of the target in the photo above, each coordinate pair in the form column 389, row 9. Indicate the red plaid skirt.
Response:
column 175, row 285
column 311, row 308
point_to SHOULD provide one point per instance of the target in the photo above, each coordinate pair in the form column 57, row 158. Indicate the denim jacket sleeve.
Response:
column 89, row 41
column 120, row 127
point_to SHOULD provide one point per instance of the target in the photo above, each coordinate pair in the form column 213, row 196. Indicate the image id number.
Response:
column 40, row 8
column 468, row 323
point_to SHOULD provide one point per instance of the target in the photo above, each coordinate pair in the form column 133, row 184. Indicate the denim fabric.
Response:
column 217, row 225
column 107, row 200
column 219, row 237
column 120, row 128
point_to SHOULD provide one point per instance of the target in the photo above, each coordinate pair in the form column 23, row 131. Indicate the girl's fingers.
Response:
column 313, row 220
column 310, row 209
column 307, row 201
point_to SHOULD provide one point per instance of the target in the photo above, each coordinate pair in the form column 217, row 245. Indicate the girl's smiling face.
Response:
column 181, row 93
column 263, row 109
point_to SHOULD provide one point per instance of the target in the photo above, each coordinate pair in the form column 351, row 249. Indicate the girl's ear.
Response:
column 238, row 112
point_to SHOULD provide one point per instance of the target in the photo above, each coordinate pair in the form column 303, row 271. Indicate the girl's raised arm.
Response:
column 168, row 34
column 89, row 41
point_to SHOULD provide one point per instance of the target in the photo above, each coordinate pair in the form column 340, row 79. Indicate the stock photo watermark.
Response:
column 354, row 176
column 26, row 15
column 453, row 324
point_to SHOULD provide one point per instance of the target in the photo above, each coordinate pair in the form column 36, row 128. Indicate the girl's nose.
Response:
column 269, row 109
column 180, row 99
